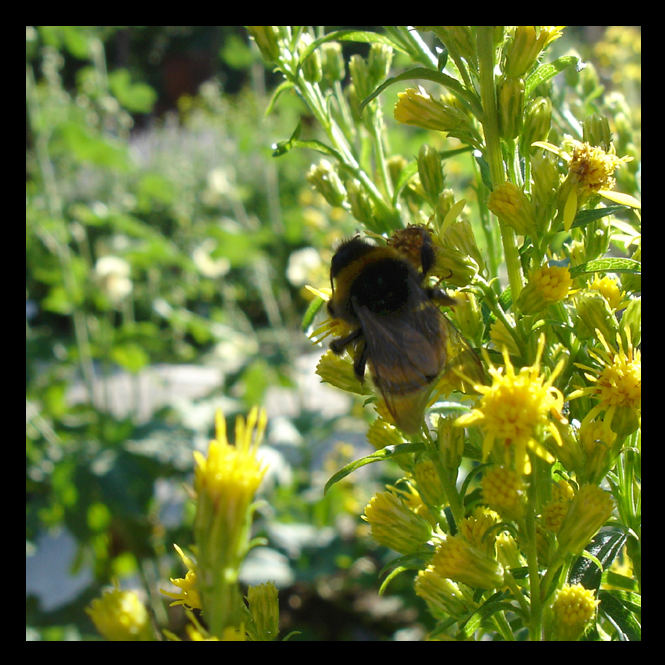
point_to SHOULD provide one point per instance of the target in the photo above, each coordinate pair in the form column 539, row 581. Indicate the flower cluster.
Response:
column 539, row 399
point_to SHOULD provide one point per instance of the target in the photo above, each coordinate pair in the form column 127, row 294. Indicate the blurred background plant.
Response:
column 167, row 253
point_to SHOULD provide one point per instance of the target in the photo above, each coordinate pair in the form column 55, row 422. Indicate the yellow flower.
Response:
column 590, row 171
column 231, row 474
column 120, row 616
column 617, row 385
column 573, row 608
column 188, row 594
column 460, row 561
column 417, row 107
column 338, row 372
column 515, row 409
column 503, row 490
column 225, row 482
column 501, row 337
column 610, row 290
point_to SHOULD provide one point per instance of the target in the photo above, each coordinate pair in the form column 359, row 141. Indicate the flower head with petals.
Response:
column 515, row 409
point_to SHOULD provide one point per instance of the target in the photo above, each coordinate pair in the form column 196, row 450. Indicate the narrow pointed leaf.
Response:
column 547, row 71
column 427, row 74
column 610, row 264
column 385, row 453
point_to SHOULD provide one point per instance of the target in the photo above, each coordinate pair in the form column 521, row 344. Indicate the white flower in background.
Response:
column 112, row 274
column 302, row 263
column 206, row 265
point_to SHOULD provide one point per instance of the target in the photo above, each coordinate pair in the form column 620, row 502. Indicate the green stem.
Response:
column 314, row 100
column 450, row 490
column 59, row 244
column 485, row 42
column 377, row 138
column 535, row 623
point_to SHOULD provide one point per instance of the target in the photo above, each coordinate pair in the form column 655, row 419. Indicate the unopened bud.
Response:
column 596, row 131
column 511, row 107
column 266, row 38
column 430, row 172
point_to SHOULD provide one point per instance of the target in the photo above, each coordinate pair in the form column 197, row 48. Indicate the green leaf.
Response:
column 470, row 99
column 130, row 356
column 282, row 147
column 311, row 312
column 380, row 455
column 89, row 147
column 585, row 217
column 136, row 97
column 282, row 87
column 623, row 610
column 603, row 550
column 547, row 71
column 610, row 264
column 405, row 175
column 616, row 580
column 491, row 606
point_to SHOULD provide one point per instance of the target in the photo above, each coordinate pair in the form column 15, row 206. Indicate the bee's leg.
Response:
column 426, row 258
column 338, row 345
column 439, row 296
column 360, row 362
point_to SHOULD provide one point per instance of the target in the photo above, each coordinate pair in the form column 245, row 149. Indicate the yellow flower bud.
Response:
column 430, row 171
column 537, row 122
column 596, row 131
column 264, row 610
column 325, row 180
column 120, row 616
column 332, row 61
column 361, row 206
column 476, row 529
column 442, row 595
column 509, row 203
column 573, row 609
column 336, row 371
column 266, row 38
column 429, row 483
column 504, row 491
column 395, row 525
column 460, row 561
column 511, row 106
column 588, row 511
column 592, row 312
column 546, row 285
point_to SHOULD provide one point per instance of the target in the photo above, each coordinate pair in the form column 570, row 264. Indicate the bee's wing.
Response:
column 406, row 352
column 461, row 360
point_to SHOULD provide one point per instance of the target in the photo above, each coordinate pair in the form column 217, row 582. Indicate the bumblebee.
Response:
column 397, row 327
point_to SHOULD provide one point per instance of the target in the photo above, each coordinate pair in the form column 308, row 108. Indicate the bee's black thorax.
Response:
column 384, row 285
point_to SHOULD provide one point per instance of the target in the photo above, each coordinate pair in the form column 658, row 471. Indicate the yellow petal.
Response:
column 619, row 197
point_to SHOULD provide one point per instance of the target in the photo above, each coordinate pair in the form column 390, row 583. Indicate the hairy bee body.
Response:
column 397, row 328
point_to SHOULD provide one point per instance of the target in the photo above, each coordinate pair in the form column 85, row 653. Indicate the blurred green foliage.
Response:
column 161, row 233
